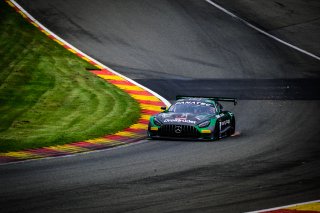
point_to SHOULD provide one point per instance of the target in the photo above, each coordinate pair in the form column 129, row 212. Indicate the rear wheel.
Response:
column 232, row 127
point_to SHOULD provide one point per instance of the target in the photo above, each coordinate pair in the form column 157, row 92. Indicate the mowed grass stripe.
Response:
column 46, row 95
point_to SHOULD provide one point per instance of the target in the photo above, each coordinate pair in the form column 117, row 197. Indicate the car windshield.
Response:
column 192, row 108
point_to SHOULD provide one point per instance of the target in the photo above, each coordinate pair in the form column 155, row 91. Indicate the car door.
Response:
column 224, row 118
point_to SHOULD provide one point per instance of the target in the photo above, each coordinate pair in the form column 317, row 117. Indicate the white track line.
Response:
column 284, row 207
column 79, row 51
column 285, row 43
column 262, row 31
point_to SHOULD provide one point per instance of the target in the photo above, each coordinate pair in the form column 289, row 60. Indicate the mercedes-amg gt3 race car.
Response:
column 192, row 117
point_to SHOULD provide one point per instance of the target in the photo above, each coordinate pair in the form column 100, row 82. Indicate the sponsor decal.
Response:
column 225, row 122
column 179, row 121
column 195, row 103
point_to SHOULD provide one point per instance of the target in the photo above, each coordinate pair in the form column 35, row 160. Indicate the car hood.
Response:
column 182, row 118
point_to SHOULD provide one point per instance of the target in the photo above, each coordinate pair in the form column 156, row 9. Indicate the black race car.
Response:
column 192, row 117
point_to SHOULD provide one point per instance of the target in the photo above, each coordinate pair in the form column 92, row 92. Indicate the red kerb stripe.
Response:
column 124, row 82
column 66, row 46
column 117, row 137
column 135, row 92
column 79, row 54
column 149, row 112
column 143, row 121
column 138, row 131
column 46, row 152
column 101, row 72
column 51, row 36
column 86, row 145
column 7, row 159
column 155, row 103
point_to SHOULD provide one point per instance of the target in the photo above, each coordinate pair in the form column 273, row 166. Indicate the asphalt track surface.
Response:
column 173, row 47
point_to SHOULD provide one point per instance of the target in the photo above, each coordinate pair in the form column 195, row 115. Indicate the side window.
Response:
column 219, row 107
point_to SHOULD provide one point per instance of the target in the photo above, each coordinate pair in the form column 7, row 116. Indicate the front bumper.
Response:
column 186, row 132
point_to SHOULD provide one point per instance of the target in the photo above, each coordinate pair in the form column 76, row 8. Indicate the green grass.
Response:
column 46, row 95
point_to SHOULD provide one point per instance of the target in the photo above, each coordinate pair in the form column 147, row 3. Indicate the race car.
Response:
column 193, row 117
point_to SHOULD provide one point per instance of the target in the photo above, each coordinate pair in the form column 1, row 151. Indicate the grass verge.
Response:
column 46, row 95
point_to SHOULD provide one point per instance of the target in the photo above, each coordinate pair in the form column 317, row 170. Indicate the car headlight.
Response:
column 204, row 124
column 156, row 121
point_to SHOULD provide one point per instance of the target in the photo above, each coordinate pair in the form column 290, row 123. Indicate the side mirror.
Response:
column 164, row 108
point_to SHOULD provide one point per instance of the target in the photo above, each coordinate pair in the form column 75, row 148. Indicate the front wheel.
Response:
column 216, row 133
column 149, row 136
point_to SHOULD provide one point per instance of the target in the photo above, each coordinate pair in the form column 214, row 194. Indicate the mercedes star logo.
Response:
column 178, row 129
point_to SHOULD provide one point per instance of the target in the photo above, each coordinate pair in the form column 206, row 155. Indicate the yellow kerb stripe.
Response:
column 150, row 107
column 100, row 67
column 104, row 141
column 127, row 134
column 139, row 126
column 71, row 50
column 98, row 140
column 68, row 148
column 23, row 15
column 35, row 24
column 45, row 32
column 306, row 207
column 59, row 42
column 115, row 143
column 136, row 88
column 10, row 3
column 85, row 58
column 21, row 155
column 111, row 77
column 146, row 117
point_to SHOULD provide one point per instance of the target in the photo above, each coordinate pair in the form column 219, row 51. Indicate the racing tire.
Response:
column 149, row 137
column 233, row 127
column 216, row 133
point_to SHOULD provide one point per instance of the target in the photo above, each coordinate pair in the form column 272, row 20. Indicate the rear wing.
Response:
column 223, row 99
